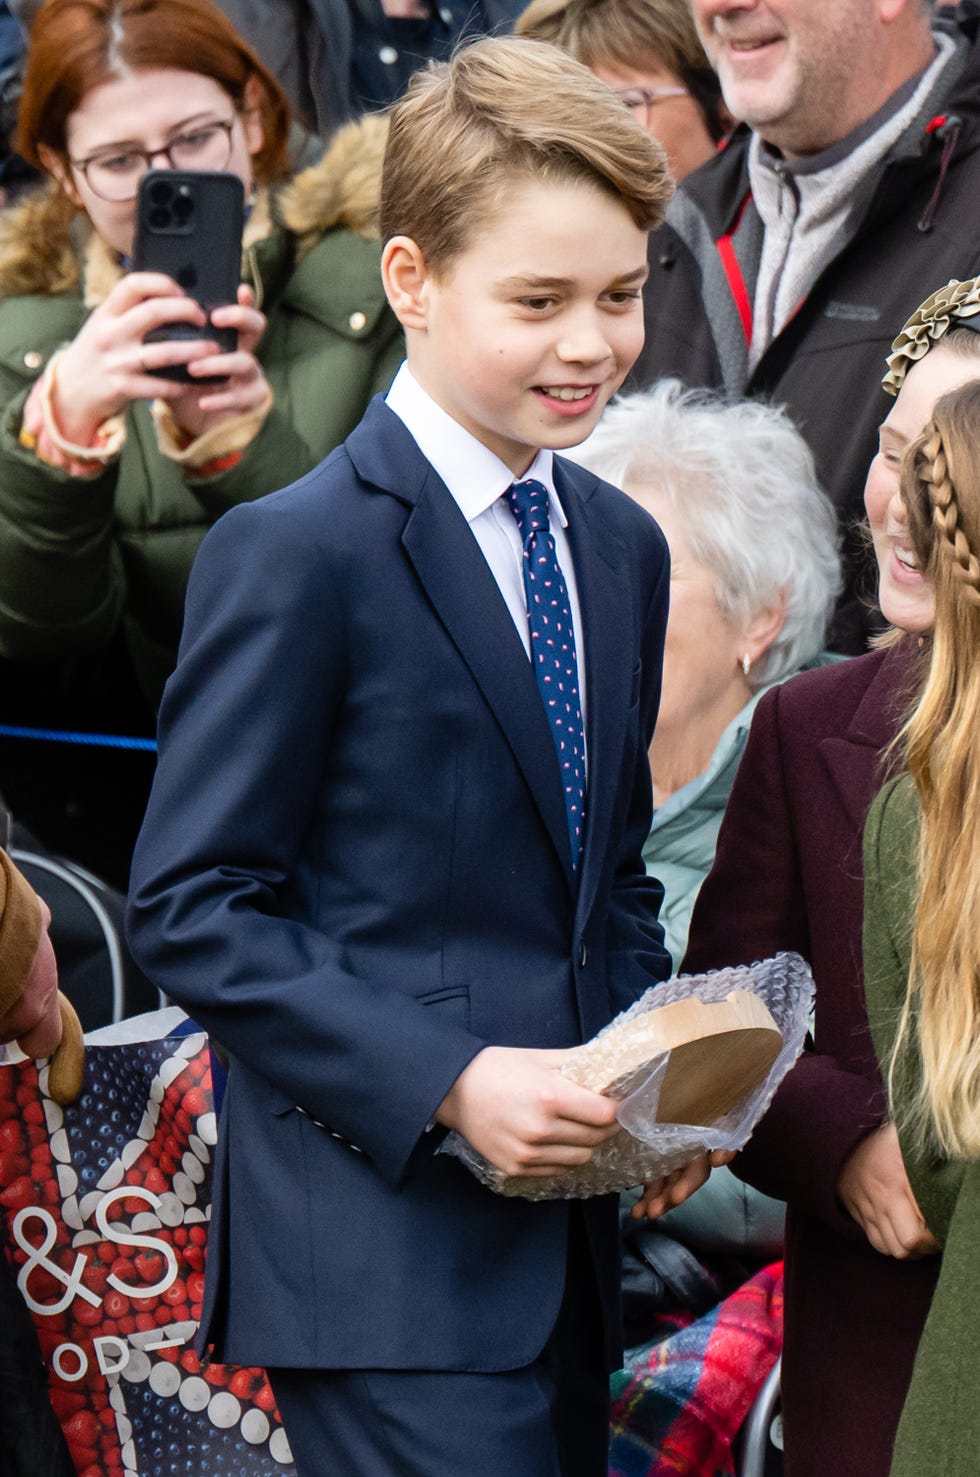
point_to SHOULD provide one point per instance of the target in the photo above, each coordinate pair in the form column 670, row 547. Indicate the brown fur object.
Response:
column 342, row 189
column 20, row 932
column 67, row 1073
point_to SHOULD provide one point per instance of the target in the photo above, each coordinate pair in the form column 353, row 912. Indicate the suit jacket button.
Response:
column 583, row 955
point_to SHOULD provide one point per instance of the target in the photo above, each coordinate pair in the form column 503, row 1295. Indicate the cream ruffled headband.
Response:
column 956, row 301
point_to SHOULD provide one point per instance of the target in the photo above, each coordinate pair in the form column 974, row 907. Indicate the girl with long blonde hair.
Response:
column 941, row 491
column 922, row 933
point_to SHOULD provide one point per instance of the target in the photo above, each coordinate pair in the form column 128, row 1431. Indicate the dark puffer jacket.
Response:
column 916, row 226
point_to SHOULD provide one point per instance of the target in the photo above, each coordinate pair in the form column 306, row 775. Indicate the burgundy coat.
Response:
column 788, row 875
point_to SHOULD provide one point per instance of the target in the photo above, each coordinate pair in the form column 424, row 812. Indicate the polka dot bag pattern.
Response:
column 104, row 1212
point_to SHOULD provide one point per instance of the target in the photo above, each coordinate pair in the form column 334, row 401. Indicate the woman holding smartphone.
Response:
column 111, row 472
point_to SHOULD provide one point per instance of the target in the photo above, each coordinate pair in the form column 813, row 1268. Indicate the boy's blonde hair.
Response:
column 501, row 110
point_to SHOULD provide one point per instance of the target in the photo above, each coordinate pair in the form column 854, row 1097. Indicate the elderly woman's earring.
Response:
column 746, row 663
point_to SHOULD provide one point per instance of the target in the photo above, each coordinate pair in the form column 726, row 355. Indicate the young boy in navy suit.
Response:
column 392, row 859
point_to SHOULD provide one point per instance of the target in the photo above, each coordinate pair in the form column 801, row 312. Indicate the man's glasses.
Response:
column 116, row 175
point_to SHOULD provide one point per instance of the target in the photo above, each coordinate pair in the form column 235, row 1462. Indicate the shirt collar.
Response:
column 475, row 477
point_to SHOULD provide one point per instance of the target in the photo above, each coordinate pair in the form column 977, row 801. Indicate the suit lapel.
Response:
column 463, row 593
column 602, row 572
column 854, row 758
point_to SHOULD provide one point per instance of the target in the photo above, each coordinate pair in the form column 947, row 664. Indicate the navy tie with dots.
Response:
column 549, row 616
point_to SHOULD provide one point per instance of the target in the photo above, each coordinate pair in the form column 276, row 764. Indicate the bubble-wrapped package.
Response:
column 645, row 1149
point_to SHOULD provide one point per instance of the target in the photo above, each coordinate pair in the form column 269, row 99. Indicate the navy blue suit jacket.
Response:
column 355, row 871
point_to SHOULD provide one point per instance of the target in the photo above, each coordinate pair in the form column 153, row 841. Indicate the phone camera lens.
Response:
column 160, row 192
column 183, row 207
column 159, row 217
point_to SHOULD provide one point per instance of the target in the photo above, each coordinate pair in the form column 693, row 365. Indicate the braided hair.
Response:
column 940, row 487
column 939, row 494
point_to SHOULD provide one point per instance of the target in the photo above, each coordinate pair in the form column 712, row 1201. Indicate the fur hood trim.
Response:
column 341, row 189
column 43, row 238
column 37, row 252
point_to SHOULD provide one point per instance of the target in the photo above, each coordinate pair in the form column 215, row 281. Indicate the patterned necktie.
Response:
column 549, row 615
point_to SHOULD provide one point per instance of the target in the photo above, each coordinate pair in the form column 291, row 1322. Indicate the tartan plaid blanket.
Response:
column 679, row 1402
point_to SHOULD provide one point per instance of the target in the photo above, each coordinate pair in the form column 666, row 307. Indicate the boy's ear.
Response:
column 406, row 278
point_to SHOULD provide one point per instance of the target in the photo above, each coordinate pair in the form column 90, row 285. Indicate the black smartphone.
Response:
column 189, row 226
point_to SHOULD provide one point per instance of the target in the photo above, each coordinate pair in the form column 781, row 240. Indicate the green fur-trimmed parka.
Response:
column 80, row 556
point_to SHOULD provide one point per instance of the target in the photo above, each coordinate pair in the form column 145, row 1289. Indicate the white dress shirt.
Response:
column 478, row 481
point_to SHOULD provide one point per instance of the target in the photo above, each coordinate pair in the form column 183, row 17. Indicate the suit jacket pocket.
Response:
column 452, row 1001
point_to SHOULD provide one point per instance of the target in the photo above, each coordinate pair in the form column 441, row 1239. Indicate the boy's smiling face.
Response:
column 526, row 334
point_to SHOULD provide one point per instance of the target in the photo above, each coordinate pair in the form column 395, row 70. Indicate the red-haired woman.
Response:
column 109, row 476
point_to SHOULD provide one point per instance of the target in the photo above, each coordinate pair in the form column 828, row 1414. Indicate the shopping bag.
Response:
column 104, row 1213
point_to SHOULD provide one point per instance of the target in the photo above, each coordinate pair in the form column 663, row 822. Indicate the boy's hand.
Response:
column 875, row 1189
column 517, row 1110
column 664, row 1194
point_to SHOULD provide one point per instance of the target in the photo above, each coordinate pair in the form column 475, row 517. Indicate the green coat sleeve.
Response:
column 939, row 1431
column 60, row 586
column 891, row 843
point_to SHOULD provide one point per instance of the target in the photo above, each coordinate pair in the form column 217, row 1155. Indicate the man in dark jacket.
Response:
column 337, row 59
column 15, row 175
column 788, row 263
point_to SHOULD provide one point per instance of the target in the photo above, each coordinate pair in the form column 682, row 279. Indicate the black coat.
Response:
column 919, row 227
column 309, row 44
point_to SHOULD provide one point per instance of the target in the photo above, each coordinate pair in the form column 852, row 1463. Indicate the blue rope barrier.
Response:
column 94, row 740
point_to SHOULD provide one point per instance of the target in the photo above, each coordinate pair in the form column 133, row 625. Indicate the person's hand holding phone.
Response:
column 243, row 386
column 189, row 225
column 107, row 364
column 179, row 327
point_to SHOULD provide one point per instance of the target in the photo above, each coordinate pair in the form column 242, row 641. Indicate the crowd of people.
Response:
column 569, row 578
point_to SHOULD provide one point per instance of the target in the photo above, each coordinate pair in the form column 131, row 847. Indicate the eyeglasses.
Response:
column 116, row 175
column 647, row 97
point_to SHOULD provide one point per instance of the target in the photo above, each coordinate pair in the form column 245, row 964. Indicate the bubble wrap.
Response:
column 645, row 1150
